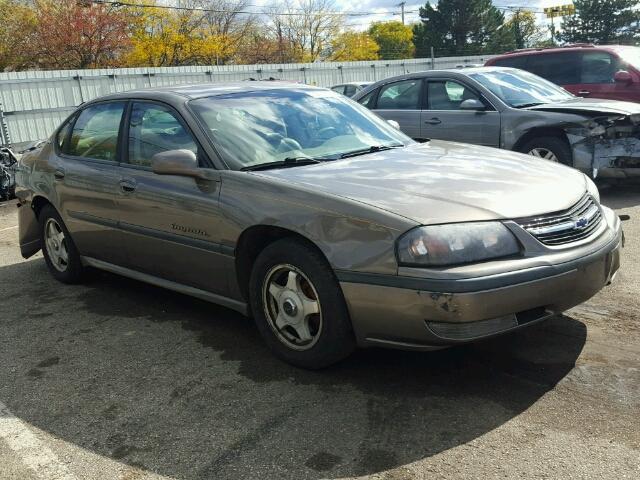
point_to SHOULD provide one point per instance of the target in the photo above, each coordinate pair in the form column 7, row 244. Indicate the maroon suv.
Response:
column 607, row 71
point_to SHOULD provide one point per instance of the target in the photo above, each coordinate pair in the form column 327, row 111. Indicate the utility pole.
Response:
column 401, row 5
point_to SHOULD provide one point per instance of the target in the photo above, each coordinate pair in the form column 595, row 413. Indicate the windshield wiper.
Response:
column 525, row 105
column 371, row 149
column 287, row 162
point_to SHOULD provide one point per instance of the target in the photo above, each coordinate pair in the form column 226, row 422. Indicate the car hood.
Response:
column 439, row 182
column 592, row 106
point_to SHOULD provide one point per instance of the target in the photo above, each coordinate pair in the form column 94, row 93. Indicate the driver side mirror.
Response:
column 394, row 124
column 183, row 163
column 472, row 104
column 622, row 76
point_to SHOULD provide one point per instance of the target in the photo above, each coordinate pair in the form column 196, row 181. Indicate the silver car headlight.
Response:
column 455, row 243
column 592, row 189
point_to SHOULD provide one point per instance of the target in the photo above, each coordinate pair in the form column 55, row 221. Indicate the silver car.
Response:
column 300, row 207
column 515, row 110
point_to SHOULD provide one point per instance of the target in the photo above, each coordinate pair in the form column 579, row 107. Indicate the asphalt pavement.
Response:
column 116, row 379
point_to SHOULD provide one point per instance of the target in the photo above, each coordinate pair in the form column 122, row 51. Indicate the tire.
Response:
column 556, row 145
column 66, row 268
column 328, row 336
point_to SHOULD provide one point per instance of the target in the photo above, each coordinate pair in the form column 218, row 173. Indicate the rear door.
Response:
column 86, row 180
column 443, row 119
column 400, row 101
column 170, row 223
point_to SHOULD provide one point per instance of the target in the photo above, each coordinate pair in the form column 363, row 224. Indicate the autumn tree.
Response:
column 524, row 29
column 71, row 34
column 16, row 35
column 353, row 46
column 394, row 39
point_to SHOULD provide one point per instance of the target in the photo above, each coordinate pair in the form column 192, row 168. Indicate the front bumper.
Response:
column 385, row 312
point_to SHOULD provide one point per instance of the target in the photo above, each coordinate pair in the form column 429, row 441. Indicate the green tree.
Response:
column 353, row 46
column 602, row 21
column 526, row 32
column 460, row 27
column 394, row 39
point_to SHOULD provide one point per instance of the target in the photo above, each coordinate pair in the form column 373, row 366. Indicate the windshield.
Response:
column 254, row 128
column 631, row 55
column 518, row 88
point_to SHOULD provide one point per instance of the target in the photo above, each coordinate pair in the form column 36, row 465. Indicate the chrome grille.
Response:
column 568, row 226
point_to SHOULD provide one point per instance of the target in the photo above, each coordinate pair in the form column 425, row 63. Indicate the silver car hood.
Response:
column 439, row 182
column 591, row 106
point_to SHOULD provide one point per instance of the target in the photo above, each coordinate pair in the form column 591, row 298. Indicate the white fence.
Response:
column 33, row 104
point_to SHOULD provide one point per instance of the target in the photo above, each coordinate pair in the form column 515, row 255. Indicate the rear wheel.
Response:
column 298, row 306
column 59, row 251
column 554, row 149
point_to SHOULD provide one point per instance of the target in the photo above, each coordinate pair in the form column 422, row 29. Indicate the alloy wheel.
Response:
column 292, row 307
column 56, row 245
column 545, row 153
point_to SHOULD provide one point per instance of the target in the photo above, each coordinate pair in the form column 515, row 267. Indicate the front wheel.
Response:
column 550, row 148
column 298, row 306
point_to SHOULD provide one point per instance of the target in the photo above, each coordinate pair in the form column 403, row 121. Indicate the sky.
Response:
column 389, row 9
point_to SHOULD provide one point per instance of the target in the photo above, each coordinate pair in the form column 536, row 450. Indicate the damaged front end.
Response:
column 607, row 145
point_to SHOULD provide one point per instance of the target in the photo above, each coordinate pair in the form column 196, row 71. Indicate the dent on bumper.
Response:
column 418, row 319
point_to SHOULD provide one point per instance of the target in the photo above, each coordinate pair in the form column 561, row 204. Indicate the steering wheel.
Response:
column 287, row 144
column 326, row 130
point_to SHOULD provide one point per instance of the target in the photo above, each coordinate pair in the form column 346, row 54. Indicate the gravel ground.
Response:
column 116, row 379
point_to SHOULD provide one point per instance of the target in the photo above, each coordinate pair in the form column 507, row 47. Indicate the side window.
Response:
column 368, row 99
column 403, row 95
column 349, row 90
column 559, row 68
column 598, row 67
column 447, row 95
column 519, row 61
column 154, row 129
column 95, row 133
column 338, row 89
column 62, row 139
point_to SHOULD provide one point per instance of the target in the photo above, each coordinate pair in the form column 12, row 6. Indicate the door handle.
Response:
column 58, row 174
column 433, row 121
column 127, row 186
column 584, row 92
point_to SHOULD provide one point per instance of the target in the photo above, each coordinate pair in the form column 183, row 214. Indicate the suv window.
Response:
column 95, row 133
column 517, row 61
column 559, row 68
column 598, row 67
column 154, row 129
column 403, row 95
column 447, row 95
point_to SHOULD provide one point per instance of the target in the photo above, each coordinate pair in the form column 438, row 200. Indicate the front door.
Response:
column 170, row 223
column 86, row 180
column 443, row 119
column 400, row 101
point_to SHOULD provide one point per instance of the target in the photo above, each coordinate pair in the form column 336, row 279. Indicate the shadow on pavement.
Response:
column 187, row 389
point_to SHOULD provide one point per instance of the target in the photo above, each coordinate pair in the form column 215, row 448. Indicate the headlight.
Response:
column 455, row 243
column 592, row 189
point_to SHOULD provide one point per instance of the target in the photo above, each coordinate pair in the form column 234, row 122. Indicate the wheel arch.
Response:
column 253, row 241
column 537, row 132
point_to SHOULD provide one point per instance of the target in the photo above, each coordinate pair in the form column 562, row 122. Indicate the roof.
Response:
column 201, row 90
column 560, row 48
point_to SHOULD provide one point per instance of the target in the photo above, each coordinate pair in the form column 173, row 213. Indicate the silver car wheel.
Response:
column 56, row 245
column 292, row 307
column 545, row 153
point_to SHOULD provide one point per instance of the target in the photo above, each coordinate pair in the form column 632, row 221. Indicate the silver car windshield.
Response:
column 518, row 88
column 270, row 126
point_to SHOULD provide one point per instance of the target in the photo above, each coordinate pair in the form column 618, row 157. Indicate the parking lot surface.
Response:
column 116, row 379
